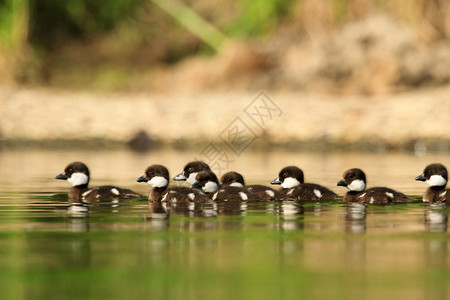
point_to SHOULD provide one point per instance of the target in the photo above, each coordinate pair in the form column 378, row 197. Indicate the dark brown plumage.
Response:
column 209, row 183
column 264, row 193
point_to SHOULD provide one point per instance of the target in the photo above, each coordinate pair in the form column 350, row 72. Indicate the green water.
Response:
column 254, row 251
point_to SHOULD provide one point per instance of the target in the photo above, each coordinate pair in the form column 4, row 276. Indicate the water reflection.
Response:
column 291, row 216
column 226, row 247
column 78, row 210
column 290, row 220
column 232, row 208
column 436, row 217
column 355, row 219
column 77, row 214
column 158, row 216
column 192, row 209
column 436, row 251
column 316, row 214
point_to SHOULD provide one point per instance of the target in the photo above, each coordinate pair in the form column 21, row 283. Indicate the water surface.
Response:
column 49, row 250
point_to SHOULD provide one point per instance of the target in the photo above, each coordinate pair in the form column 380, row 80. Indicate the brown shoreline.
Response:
column 52, row 118
column 304, row 146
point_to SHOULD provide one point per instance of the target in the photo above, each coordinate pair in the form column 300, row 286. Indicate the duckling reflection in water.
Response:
column 436, row 218
column 356, row 217
column 291, row 213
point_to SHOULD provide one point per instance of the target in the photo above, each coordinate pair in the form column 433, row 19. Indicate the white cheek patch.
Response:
column 317, row 193
column 158, row 181
column 270, row 193
column 357, row 186
column 78, row 179
column 436, row 180
column 115, row 191
column 210, row 187
column 244, row 196
column 237, row 184
column 191, row 178
column 290, row 182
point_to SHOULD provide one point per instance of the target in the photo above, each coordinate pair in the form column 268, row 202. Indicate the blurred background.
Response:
column 363, row 53
column 246, row 85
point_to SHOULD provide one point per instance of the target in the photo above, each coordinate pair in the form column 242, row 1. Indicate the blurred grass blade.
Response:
column 192, row 21
column 14, row 49
column 13, row 24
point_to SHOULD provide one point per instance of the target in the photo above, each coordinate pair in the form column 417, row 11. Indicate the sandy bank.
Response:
column 39, row 114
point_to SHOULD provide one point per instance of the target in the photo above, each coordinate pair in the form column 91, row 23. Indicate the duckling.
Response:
column 355, row 181
column 436, row 176
column 77, row 174
column 157, row 176
column 292, row 181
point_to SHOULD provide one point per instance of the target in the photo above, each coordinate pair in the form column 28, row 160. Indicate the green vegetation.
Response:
column 190, row 20
column 44, row 40
column 259, row 17
column 76, row 19
column 13, row 25
column 14, row 18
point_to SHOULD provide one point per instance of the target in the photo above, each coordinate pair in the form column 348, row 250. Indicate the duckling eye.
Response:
column 228, row 179
column 190, row 169
column 285, row 174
